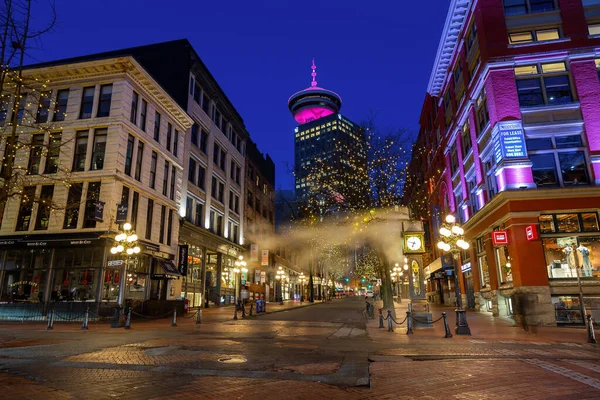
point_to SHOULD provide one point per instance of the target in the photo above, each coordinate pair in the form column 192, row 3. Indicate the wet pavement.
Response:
column 321, row 350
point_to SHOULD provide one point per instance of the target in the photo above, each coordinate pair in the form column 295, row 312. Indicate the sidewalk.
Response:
column 483, row 327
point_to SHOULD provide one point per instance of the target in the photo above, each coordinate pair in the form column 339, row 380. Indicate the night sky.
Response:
column 377, row 55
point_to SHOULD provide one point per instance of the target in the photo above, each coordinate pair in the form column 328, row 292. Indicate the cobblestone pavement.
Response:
column 324, row 351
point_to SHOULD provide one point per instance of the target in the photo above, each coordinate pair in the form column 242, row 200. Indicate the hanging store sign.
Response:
column 98, row 211
column 499, row 238
column 253, row 252
column 183, row 259
column 263, row 276
column 264, row 262
column 257, row 276
column 466, row 267
column 122, row 210
column 509, row 140
column 531, row 232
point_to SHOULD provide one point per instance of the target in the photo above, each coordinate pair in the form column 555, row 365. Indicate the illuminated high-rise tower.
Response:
column 326, row 141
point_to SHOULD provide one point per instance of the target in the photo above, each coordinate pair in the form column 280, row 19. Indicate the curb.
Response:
column 289, row 309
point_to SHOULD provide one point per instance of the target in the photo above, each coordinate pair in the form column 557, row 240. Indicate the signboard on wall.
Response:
column 122, row 209
column 509, row 140
column 256, row 276
column 499, row 238
column 263, row 276
column 253, row 252
column 531, row 233
column 183, row 259
column 264, row 261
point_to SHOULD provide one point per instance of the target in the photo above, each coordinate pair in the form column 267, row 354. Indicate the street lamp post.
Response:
column 125, row 242
column 302, row 280
column 280, row 276
column 240, row 266
column 453, row 242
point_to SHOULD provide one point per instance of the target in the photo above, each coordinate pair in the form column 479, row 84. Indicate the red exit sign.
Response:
column 499, row 238
column 531, row 232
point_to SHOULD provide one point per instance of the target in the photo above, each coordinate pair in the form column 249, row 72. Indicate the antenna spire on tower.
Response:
column 314, row 74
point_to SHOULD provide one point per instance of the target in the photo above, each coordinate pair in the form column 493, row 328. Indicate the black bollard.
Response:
column 389, row 318
column 462, row 327
column 446, row 327
column 381, row 317
column 116, row 321
column 243, row 309
column 86, row 318
column 264, row 306
column 50, row 321
column 409, row 323
column 251, row 308
column 368, row 308
column 590, row 326
column 199, row 316
column 235, row 312
column 128, row 319
column 174, row 322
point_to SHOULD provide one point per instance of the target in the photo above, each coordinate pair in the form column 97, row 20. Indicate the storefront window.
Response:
column 484, row 272
column 567, row 309
column 227, row 275
column 565, row 255
column 567, row 222
column 25, row 275
column 503, row 263
column 546, row 223
column 589, row 222
column 76, row 274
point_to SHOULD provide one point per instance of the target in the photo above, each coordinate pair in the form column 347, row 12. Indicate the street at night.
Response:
column 324, row 350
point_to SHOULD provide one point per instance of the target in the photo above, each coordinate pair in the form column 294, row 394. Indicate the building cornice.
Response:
column 455, row 19
column 111, row 67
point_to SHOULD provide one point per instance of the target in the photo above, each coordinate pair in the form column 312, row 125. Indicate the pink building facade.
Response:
column 510, row 135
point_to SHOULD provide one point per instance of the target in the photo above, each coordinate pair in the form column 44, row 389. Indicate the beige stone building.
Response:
column 112, row 136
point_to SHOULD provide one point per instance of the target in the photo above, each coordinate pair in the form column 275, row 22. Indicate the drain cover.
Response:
column 232, row 360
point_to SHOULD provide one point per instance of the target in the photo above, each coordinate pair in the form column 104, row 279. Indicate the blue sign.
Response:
column 509, row 140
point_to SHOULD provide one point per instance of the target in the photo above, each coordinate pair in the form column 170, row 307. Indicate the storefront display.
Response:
column 567, row 309
column 565, row 255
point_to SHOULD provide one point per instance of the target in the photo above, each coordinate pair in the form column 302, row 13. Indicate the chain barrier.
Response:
column 150, row 317
column 409, row 319
column 191, row 315
column 57, row 315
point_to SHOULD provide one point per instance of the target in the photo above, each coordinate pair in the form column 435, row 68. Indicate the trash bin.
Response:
column 259, row 306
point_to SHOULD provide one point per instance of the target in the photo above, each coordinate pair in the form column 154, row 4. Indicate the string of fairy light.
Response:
column 22, row 100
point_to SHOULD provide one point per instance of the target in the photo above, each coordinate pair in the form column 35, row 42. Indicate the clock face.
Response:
column 413, row 243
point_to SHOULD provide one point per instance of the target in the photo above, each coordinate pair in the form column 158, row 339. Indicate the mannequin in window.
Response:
column 568, row 251
column 586, row 268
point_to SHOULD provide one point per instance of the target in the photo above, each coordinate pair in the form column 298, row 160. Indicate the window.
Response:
column 173, row 181
column 216, row 153
column 544, row 169
column 99, row 149
column 72, row 208
column 569, row 223
column 196, row 92
column 572, row 164
column 567, row 310
column 149, row 215
column 222, row 160
column 454, row 160
column 169, row 135
column 143, row 115
column 236, row 235
column 44, row 207
column 199, row 213
column 567, row 256
column 134, row 209
column 250, row 199
column 53, row 153
column 104, row 101
column 134, row 106
column 471, row 37
column 161, row 232
column 205, row 103
column 217, row 189
column 157, row 127
column 257, row 205
column 192, row 171
column 551, row 87
column 466, row 140
column 3, row 111
column 138, row 161
column 87, row 101
column 170, row 227
column 21, row 109
column 35, row 154
column 504, row 265
column 517, row 7
column 81, row 142
column 192, row 81
column 573, row 168
column 27, row 200
column 203, row 140
column 125, row 195
column 176, row 143
column 43, row 108
column 201, row 177
column 153, row 170
column 490, row 179
column 60, row 108
column 219, row 227
column 194, row 135
column 165, row 185
column 594, row 29
column 542, row 35
column 129, row 154
column 482, row 115
column 93, row 195
column 189, row 204
column 484, row 272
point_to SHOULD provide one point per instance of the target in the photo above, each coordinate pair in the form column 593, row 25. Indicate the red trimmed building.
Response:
column 509, row 142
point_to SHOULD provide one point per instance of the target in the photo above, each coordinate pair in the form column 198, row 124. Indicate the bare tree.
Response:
column 29, row 117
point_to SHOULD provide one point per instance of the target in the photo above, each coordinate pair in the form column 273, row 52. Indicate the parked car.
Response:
column 369, row 294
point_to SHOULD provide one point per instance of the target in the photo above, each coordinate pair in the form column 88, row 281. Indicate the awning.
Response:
column 165, row 269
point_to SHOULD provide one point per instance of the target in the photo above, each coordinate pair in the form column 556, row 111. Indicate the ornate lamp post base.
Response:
column 462, row 327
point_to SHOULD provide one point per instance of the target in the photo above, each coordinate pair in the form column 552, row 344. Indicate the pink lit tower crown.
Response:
column 314, row 102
